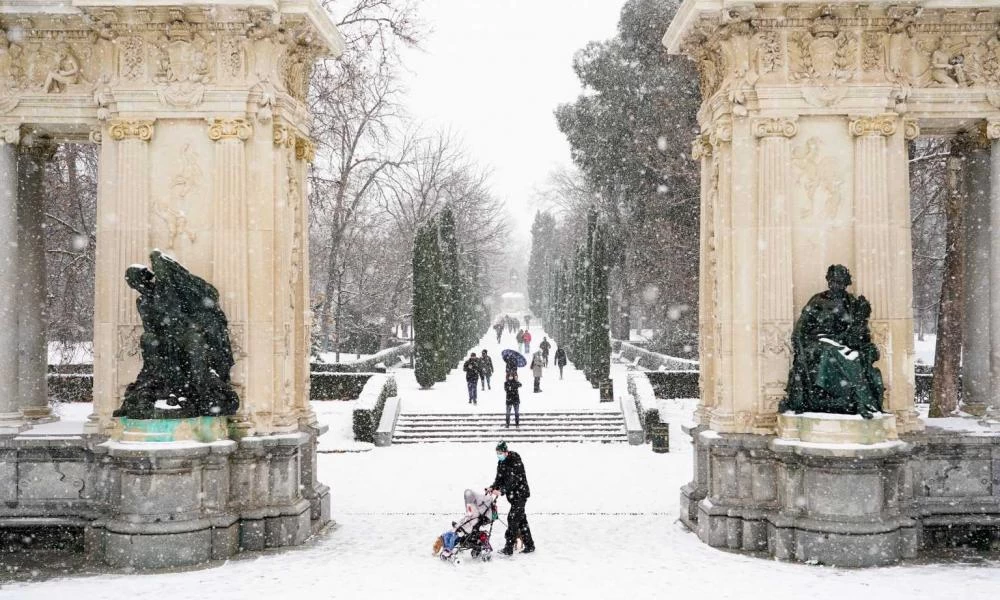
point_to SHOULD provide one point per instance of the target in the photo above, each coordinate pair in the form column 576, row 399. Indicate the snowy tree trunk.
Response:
column 947, row 363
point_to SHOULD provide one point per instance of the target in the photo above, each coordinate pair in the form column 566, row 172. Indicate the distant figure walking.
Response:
column 527, row 321
column 485, row 370
column 471, row 368
column 560, row 360
column 544, row 347
column 520, row 340
column 536, row 370
column 499, row 329
column 527, row 341
column 513, row 399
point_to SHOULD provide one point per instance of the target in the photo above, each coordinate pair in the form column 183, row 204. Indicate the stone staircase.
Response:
column 552, row 426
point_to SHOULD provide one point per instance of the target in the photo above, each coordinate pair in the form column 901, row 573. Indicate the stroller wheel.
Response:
column 486, row 557
column 456, row 561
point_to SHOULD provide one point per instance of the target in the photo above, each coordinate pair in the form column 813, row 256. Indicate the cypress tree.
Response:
column 600, row 340
column 451, row 288
column 425, row 309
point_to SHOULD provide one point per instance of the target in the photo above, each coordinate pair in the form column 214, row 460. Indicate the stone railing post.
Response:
column 776, row 304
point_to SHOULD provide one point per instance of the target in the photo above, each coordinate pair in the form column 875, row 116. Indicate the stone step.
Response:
column 512, row 436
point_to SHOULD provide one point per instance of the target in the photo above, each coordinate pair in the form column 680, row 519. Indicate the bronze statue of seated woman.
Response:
column 833, row 362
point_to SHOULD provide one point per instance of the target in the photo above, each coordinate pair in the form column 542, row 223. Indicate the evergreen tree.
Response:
column 600, row 337
column 426, row 312
column 541, row 265
column 450, row 295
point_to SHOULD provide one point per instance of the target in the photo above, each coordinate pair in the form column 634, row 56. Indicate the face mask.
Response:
column 500, row 457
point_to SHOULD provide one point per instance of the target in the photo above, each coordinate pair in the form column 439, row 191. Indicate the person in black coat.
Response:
column 513, row 399
column 472, row 370
column 485, row 370
column 560, row 360
column 512, row 481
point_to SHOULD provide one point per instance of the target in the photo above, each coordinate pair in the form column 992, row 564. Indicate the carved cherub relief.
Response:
column 818, row 176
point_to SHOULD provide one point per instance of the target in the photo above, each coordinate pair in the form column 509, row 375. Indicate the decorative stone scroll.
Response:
column 911, row 129
column 884, row 125
column 775, row 127
column 237, row 128
column 305, row 149
column 701, row 148
column 992, row 130
column 125, row 130
column 10, row 134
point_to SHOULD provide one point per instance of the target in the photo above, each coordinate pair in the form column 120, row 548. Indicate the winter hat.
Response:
column 502, row 447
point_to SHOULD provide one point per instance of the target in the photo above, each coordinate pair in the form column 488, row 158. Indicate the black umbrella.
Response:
column 513, row 356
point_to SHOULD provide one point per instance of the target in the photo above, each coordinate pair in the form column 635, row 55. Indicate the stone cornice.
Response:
column 775, row 127
column 883, row 125
column 229, row 128
column 129, row 130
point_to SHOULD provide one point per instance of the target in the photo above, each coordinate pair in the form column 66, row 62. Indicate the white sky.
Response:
column 493, row 71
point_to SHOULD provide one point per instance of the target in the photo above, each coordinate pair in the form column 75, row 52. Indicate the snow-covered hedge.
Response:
column 337, row 386
column 389, row 357
column 642, row 394
column 653, row 361
column 371, row 403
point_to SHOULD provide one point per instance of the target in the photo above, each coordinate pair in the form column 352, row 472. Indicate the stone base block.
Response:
column 804, row 501
column 165, row 505
column 198, row 429
column 823, row 428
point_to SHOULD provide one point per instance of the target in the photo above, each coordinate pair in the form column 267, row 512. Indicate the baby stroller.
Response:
column 472, row 533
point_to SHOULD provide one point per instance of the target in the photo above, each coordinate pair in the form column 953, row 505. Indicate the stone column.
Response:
column 229, row 248
column 775, row 301
column 122, row 240
column 993, row 136
column 876, row 140
column 976, row 292
column 723, row 412
column 10, row 416
column 32, row 364
column 707, row 351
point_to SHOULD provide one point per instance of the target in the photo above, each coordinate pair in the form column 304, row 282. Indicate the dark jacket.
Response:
column 544, row 346
column 511, row 366
column 513, row 396
column 471, row 368
column 560, row 358
column 486, row 365
column 511, row 479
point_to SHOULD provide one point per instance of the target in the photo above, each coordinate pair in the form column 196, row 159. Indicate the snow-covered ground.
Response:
column 604, row 518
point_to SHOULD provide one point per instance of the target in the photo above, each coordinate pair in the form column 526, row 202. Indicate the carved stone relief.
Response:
column 820, row 178
column 185, row 183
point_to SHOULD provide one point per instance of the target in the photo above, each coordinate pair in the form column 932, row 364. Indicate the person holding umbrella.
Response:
column 513, row 360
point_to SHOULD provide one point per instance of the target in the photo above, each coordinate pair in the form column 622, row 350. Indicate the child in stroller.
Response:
column 468, row 533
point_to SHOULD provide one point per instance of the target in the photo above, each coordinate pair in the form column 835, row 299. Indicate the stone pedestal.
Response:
column 833, row 504
column 824, row 428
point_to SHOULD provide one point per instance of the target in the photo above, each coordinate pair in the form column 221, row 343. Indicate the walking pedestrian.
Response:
column 520, row 340
column 512, row 481
column 511, row 363
column 560, row 360
column 485, row 370
column 527, row 342
column 536, row 370
column 513, row 400
column 471, row 368
column 499, row 329
column 544, row 347
column 527, row 321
